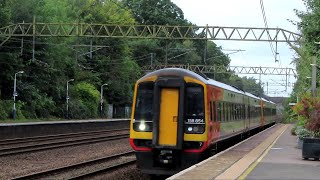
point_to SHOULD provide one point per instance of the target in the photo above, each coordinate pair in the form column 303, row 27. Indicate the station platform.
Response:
column 31, row 129
column 271, row 154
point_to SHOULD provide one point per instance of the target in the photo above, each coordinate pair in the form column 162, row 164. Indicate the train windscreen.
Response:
column 144, row 102
column 194, row 101
column 194, row 122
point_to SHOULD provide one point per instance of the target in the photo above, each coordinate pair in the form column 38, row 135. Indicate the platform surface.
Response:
column 271, row 154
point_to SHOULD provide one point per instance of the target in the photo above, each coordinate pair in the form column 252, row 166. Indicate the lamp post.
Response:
column 67, row 98
column 101, row 98
column 15, row 93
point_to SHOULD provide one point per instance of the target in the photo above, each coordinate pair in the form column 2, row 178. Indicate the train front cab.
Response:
column 168, row 127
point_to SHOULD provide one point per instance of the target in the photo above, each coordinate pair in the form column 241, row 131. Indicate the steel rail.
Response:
column 47, row 146
column 61, row 170
column 54, row 137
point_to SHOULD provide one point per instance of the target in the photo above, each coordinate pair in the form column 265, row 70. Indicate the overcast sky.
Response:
column 247, row 13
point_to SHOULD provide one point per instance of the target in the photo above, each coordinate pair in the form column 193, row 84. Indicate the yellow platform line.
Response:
column 245, row 165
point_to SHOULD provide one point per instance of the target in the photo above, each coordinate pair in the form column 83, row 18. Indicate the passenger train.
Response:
column 178, row 116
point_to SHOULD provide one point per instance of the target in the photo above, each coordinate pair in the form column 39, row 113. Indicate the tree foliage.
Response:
column 91, row 62
column 157, row 12
column 307, row 51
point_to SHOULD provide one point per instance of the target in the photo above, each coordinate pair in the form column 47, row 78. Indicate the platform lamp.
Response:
column 15, row 93
column 67, row 97
column 101, row 98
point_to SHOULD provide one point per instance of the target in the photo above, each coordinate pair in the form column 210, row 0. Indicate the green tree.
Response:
column 87, row 97
column 156, row 12
column 247, row 84
column 4, row 13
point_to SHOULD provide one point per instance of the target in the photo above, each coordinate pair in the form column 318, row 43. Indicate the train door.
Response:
column 169, row 100
column 168, row 115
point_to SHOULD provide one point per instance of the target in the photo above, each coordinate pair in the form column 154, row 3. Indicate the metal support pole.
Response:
column 67, row 98
column 166, row 58
column 314, row 77
column 15, row 94
column 101, row 99
column 260, row 70
column 90, row 55
column 21, row 50
column 151, row 60
column 34, row 37
column 286, row 79
column 205, row 47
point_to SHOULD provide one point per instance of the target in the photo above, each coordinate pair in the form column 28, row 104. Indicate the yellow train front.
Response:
column 178, row 116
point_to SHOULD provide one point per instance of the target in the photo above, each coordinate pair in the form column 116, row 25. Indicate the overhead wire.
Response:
column 274, row 52
column 266, row 25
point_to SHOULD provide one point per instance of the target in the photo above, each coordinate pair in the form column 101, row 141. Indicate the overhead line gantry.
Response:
column 147, row 31
column 38, row 29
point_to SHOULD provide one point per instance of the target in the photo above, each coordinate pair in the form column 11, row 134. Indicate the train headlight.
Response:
column 195, row 129
column 142, row 127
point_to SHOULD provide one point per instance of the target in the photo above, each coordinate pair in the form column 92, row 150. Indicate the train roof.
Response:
column 179, row 72
column 268, row 101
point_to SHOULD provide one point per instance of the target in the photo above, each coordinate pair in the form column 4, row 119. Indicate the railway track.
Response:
column 37, row 143
column 85, row 169
column 54, row 137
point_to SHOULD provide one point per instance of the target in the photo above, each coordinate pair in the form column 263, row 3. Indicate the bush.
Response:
column 88, row 98
column 78, row 110
column 302, row 132
column 6, row 109
column 308, row 110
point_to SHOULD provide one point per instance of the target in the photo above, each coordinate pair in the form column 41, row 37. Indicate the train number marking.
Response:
column 195, row 121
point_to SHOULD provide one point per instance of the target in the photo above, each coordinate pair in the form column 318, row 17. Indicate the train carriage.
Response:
column 178, row 116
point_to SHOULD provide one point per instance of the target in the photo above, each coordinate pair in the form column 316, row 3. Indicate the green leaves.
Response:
column 88, row 97
column 156, row 12
column 49, row 62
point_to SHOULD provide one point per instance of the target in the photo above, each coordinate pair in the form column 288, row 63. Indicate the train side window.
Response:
column 222, row 112
column 243, row 112
column 239, row 111
column 240, row 114
column 223, row 115
column 235, row 112
column 229, row 111
column 232, row 112
column 225, row 111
